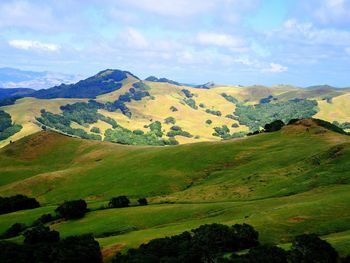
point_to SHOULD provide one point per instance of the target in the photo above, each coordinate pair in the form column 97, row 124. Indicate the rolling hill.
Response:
column 184, row 114
column 284, row 183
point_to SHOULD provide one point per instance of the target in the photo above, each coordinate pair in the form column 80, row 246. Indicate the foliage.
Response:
column 274, row 126
column 40, row 234
column 208, row 122
column 267, row 99
column 222, row 132
column 329, row 126
column 16, row 203
column 119, row 202
column 14, row 230
column 142, row 201
column 155, row 79
column 156, row 128
column 234, row 125
column 177, row 131
column 229, row 98
column 310, row 248
column 72, row 209
column 173, row 109
column 95, row 130
column 256, row 116
column 263, row 254
column 187, row 93
column 238, row 134
column 231, row 116
column 170, row 120
column 344, row 125
column 9, row 101
column 202, row 105
column 43, row 245
column 191, row 103
column 207, row 243
column 62, row 123
column 7, row 129
column 213, row 112
column 125, row 136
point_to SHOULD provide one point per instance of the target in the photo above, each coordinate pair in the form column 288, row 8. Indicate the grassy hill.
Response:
column 199, row 112
column 284, row 183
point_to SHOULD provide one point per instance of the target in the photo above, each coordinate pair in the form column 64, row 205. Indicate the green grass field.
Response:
column 285, row 183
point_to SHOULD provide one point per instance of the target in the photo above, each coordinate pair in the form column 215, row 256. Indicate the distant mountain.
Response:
column 164, row 80
column 207, row 85
column 103, row 82
column 17, row 92
column 16, row 78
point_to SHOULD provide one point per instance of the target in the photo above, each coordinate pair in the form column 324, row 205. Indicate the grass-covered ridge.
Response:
column 274, row 181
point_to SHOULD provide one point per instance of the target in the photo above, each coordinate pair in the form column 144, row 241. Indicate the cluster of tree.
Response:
column 62, row 123
column 224, row 132
column 156, row 128
column 208, row 243
column 126, row 136
column 256, row 116
column 95, row 130
column 170, row 120
column 229, row 98
column 104, row 82
column 191, row 103
column 344, row 125
column 137, row 92
column 173, row 109
column 213, row 112
column 267, row 99
column 164, row 80
column 187, row 93
column 16, row 203
column 177, row 131
column 43, row 245
column 7, row 129
column 9, row 101
column 224, row 244
column 232, row 117
column 123, row 201
column 72, row 209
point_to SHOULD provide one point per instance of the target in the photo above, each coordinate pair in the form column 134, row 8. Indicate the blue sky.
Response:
column 300, row 42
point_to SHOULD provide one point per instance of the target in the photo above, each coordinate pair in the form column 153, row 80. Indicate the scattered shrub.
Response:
column 119, row 202
column 14, row 230
column 142, row 201
column 17, row 202
column 95, row 130
column 40, row 234
column 72, row 209
column 208, row 122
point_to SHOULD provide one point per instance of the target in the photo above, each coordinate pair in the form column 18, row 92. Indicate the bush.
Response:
column 142, row 201
column 173, row 109
column 191, row 103
column 177, row 131
column 45, row 218
column 14, row 230
column 274, row 126
column 310, row 248
column 72, row 209
column 119, row 202
column 208, row 122
column 265, row 254
column 79, row 249
column 95, row 130
column 234, row 125
column 17, row 202
column 40, row 234
column 213, row 112
column 170, row 120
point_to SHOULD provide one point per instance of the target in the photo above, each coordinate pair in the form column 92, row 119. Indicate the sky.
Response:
column 241, row 42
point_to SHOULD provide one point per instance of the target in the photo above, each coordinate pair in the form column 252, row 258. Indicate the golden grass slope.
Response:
column 165, row 95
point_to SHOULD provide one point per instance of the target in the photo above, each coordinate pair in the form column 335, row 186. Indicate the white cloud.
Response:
column 307, row 33
column 333, row 12
column 33, row 45
column 135, row 39
column 220, row 40
column 276, row 68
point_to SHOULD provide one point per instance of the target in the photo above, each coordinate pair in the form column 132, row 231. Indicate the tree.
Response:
column 274, row 126
column 267, row 254
column 72, row 209
column 245, row 236
column 14, row 230
column 40, row 234
column 309, row 248
column 17, row 202
column 119, row 202
column 78, row 249
column 142, row 201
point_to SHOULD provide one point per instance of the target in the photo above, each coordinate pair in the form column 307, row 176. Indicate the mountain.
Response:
column 15, row 92
column 104, row 82
column 16, row 78
column 284, row 183
column 116, row 106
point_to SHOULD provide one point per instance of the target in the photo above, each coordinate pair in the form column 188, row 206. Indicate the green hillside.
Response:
column 284, row 183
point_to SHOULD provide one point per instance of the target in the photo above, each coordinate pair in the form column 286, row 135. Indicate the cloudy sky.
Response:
column 300, row 42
